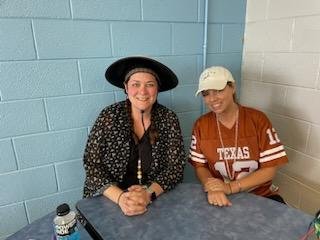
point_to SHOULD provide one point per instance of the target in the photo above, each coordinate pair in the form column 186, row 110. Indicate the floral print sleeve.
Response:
column 97, row 176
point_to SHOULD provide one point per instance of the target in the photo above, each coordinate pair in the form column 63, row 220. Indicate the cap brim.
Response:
column 116, row 72
column 209, row 85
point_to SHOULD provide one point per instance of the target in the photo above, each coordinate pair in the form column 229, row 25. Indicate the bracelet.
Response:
column 120, row 196
column 239, row 186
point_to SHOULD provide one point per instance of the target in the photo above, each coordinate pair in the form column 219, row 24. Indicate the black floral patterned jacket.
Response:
column 108, row 149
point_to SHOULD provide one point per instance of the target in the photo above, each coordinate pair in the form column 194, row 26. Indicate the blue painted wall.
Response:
column 53, row 55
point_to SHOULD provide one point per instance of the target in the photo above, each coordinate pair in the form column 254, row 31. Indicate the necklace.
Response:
column 139, row 169
column 230, row 174
column 139, row 172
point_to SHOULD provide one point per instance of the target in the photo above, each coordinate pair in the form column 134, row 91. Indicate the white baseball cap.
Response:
column 215, row 77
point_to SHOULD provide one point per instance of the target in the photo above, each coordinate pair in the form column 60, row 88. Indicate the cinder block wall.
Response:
column 53, row 55
column 280, row 75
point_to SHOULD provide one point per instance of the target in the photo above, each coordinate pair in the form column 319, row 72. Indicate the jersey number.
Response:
column 273, row 137
column 241, row 167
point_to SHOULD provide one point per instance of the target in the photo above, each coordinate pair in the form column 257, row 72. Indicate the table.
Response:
column 42, row 229
column 184, row 213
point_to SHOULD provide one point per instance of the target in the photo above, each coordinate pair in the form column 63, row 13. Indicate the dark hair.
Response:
column 235, row 93
column 139, row 70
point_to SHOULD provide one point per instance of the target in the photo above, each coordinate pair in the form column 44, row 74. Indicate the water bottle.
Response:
column 65, row 224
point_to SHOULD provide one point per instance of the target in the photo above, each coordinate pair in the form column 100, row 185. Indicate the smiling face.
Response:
column 219, row 101
column 142, row 90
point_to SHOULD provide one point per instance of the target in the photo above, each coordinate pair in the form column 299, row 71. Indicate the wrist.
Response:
column 119, row 197
column 118, row 200
column 239, row 186
column 151, row 194
column 229, row 189
column 235, row 186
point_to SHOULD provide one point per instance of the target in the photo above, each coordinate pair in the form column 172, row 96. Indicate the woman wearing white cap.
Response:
column 135, row 149
column 234, row 148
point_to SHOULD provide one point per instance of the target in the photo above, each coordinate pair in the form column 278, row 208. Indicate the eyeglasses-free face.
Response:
column 142, row 90
column 219, row 101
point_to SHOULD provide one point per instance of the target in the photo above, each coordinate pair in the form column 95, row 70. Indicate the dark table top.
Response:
column 184, row 213
column 42, row 229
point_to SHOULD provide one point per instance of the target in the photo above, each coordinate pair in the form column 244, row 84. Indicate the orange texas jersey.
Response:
column 258, row 146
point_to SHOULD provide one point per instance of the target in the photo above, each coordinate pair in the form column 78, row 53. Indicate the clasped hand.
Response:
column 217, row 192
column 134, row 201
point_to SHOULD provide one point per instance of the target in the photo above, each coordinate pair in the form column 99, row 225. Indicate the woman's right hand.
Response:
column 218, row 198
column 215, row 184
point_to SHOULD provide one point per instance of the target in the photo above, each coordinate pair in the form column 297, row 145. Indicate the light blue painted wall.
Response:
column 53, row 55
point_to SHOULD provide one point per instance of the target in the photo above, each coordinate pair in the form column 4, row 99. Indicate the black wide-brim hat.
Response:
column 117, row 71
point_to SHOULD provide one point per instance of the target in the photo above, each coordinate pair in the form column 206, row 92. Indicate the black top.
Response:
column 138, row 149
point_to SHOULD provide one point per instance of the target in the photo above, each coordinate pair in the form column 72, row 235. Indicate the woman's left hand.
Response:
column 218, row 198
column 216, row 185
column 129, row 207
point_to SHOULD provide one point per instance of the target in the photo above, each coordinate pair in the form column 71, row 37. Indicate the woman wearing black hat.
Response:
column 135, row 149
